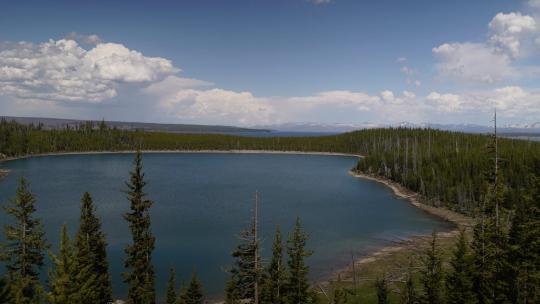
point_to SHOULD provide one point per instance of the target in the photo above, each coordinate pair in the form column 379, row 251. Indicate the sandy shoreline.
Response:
column 460, row 222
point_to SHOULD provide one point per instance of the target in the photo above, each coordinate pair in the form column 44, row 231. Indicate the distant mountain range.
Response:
column 533, row 128
column 56, row 123
column 307, row 127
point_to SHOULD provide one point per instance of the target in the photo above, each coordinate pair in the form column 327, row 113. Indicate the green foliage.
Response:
column 5, row 292
column 194, row 292
column 432, row 273
column 24, row 251
column 297, row 285
column 382, row 291
column 139, row 254
column 459, row 280
column 170, row 297
column 70, row 282
column 408, row 292
column 91, row 253
column 340, row 296
column 273, row 287
column 232, row 295
column 247, row 270
column 524, row 248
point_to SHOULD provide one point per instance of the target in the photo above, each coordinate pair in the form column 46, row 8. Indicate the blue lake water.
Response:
column 203, row 200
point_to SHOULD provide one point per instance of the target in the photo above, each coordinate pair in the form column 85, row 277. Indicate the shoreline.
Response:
column 458, row 220
column 234, row 151
column 411, row 244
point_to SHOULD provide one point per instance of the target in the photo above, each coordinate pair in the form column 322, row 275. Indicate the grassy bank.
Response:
column 393, row 261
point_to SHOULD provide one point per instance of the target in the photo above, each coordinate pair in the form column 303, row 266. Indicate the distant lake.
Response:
column 203, row 200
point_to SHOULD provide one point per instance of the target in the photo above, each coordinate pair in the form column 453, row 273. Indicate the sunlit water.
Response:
column 203, row 200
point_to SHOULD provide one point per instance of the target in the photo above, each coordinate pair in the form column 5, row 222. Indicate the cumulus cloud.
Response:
column 511, row 37
column 509, row 30
column 64, row 71
column 473, row 62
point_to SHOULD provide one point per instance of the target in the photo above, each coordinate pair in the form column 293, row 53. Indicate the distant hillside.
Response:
column 56, row 123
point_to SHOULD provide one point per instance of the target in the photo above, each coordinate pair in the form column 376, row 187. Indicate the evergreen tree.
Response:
column 194, row 292
column 459, row 281
column 63, row 281
column 382, row 291
column 408, row 294
column 297, row 285
column 171, row 288
column 24, row 250
column 340, row 296
column 232, row 296
column 91, row 252
column 524, row 249
column 247, row 270
column 5, row 292
column 141, row 277
column 273, row 287
column 432, row 273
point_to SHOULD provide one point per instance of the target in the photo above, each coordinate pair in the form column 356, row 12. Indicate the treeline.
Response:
column 446, row 168
column 502, row 262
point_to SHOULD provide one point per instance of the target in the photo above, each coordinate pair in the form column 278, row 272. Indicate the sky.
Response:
column 267, row 62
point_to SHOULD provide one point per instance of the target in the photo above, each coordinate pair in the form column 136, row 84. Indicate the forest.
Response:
column 494, row 180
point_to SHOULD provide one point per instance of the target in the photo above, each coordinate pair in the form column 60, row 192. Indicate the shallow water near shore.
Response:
column 202, row 200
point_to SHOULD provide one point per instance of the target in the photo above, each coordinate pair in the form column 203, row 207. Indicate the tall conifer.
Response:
column 297, row 285
column 91, row 252
column 194, row 292
column 273, row 286
column 24, row 251
column 170, row 297
column 459, row 281
column 432, row 273
column 140, row 275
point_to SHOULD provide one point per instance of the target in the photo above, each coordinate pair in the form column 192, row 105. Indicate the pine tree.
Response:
column 194, row 292
column 273, row 287
column 63, row 281
column 524, row 248
column 232, row 296
column 171, row 288
column 141, row 277
column 408, row 294
column 382, row 291
column 459, row 281
column 91, row 252
column 432, row 273
column 5, row 292
column 248, row 267
column 340, row 296
column 297, row 285
column 24, row 250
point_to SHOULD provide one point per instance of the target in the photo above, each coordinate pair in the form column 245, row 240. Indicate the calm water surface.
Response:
column 203, row 200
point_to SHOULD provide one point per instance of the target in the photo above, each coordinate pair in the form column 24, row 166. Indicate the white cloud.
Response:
column 445, row 102
column 64, row 71
column 475, row 62
column 217, row 106
column 356, row 100
column 509, row 31
column 512, row 37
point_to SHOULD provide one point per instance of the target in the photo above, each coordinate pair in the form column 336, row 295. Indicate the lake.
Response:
column 203, row 200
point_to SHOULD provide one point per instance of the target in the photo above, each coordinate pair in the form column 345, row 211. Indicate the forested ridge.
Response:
column 446, row 168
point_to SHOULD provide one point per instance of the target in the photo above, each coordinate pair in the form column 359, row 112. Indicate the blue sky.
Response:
column 266, row 62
